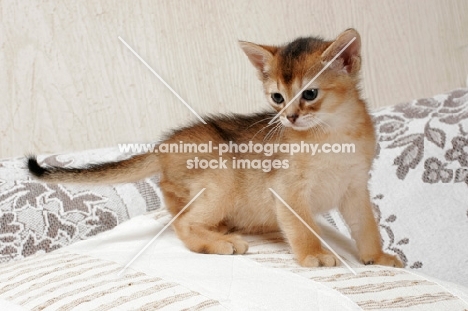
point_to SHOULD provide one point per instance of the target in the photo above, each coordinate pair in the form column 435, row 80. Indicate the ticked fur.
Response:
column 238, row 200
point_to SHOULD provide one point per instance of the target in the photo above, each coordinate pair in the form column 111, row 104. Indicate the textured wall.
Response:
column 67, row 82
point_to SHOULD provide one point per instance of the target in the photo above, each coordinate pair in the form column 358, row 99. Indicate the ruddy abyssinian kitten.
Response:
column 238, row 200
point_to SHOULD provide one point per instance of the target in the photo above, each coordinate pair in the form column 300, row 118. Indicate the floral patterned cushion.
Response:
column 419, row 184
column 419, row 188
column 37, row 217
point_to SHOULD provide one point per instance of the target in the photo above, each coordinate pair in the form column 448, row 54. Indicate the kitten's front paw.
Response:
column 322, row 259
column 383, row 259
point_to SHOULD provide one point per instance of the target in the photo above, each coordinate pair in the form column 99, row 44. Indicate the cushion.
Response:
column 38, row 217
column 85, row 276
column 419, row 184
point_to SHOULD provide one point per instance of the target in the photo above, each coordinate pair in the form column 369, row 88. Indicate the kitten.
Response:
column 238, row 200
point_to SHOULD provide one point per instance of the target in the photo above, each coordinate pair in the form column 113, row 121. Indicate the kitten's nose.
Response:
column 292, row 117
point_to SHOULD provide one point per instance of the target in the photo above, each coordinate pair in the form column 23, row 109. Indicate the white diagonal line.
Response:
column 159, row 233
column 313, row 79
column 312, row 230
column 161, row 79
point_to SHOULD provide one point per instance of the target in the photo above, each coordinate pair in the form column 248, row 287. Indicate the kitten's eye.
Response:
column 277, row 98
column 310, row 94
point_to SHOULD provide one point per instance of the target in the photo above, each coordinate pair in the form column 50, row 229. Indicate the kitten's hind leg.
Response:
column 199, row 229
column 205, row 239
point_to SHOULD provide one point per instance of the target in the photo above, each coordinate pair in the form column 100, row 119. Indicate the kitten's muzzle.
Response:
column 292, row 117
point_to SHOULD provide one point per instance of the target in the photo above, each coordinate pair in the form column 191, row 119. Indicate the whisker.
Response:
column 323, row 125
column 323, row 122
column 272, row 132
column 278, row 139
column 324, row 113
column 318, row 125
column 263, row 128
column 272, row 116
column 278, row 131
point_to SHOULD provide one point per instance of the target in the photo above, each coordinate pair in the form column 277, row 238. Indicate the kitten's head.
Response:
column 286, row 70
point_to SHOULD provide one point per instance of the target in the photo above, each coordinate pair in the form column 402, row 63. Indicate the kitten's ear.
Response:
column 349, row 59
column 259, row 55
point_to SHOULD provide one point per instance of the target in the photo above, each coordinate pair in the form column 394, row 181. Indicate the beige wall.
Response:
column 67, row 82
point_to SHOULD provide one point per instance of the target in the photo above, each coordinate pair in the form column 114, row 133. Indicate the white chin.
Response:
column 295, row 126
column 300, row 128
